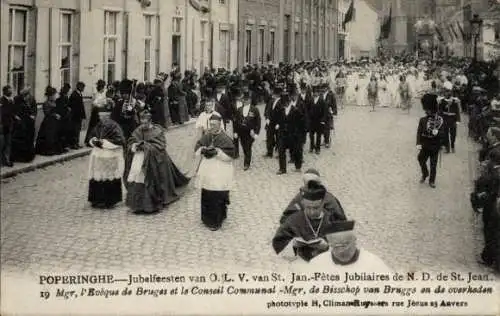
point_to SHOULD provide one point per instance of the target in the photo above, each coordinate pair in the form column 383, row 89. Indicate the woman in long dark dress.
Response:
column 150, row 175
column 63, row 109
column 23, row 136
column 48, row 142
column 99, row 102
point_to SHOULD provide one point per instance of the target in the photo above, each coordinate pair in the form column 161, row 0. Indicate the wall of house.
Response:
column 45, row 52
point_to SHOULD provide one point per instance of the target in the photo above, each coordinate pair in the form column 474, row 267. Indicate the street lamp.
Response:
column 476, row 24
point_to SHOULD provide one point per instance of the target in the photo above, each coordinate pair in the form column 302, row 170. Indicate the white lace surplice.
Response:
column 106, row 163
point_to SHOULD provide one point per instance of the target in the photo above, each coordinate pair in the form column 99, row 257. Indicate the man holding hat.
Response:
column 449, row 108
column 431, row 136
column 344, row 255
column 331, row 204
column 302, row 233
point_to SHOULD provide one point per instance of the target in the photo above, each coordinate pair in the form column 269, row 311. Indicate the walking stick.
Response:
column 440, row 159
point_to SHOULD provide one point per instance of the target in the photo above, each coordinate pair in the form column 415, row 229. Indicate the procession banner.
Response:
column 251, row 292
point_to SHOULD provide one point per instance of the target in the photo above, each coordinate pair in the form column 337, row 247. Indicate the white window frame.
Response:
column 148, row 42
column 177, row 31
column 261, row 42
column 12, row 44
column 63, row 44
column 248, row 48
column 272, row 45
column 110, row 37
column 203, row 42
column 157, row 44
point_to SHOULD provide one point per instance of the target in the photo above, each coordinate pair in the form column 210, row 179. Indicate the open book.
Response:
column 300, row 242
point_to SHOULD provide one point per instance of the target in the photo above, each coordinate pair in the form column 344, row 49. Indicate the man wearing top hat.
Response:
column 282, row 123
column 247, row 125
column 291, row 132
column 431, row 135
column 331, row 104
column 302, row 233
column 269, row 113
column 318, row 118
column 124, row 112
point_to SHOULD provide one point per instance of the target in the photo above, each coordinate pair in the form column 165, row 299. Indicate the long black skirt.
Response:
column 105, row 193
column 23, row 141
column 214, row 207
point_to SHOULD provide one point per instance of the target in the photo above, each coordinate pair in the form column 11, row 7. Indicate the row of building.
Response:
column 453, row 21
column 53, row 42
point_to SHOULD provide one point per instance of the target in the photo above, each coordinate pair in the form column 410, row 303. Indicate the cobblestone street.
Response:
column 372, row 169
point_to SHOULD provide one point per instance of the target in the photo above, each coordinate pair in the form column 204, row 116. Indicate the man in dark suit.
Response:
column 7, row 117
column 304, row 101
column 331, row 103
column 77, row 115
column 294, row 124
column 318, row 117
column 431, row 135
column 268, row 111
column 247, row 125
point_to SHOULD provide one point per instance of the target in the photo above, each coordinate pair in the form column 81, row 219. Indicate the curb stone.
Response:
column 43, row 162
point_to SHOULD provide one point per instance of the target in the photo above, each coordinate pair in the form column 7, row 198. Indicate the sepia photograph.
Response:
column 226, row 157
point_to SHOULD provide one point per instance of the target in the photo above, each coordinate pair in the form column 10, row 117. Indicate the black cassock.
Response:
column 23, row 136
column 296, row 225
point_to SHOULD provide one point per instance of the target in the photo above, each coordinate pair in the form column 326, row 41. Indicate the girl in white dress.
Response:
column 383, row 94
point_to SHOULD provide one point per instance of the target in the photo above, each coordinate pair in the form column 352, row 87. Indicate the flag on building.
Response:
column 349, row 14
column 461, row 30
column 454, row 31
column 439, row 34
column 385, row 28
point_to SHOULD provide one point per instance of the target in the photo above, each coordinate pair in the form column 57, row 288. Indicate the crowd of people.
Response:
column 128, row 120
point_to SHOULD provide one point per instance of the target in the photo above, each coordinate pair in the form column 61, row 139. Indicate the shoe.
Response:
column 9, row 164
column 432, row 185
column 298, row 169
column 447, row 151
column 453, row 150
column 311, row 151
column 268, row 156
column 280, row 172
column 318, row 152
column 422, row 180
column 327, row 145
column 246, row 168
column 290, row 161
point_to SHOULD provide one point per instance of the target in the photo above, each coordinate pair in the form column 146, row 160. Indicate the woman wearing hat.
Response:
column 23, row 134
column 48, row 142
column 106, row 163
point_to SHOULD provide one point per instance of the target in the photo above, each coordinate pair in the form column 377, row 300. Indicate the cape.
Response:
column 220, row 140
column 109, row 130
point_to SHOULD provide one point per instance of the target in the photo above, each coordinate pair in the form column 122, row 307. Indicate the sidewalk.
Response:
column 45, row 161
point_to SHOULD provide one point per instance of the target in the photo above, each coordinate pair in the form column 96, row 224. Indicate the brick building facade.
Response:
column 52, row 42
column 287, row 30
